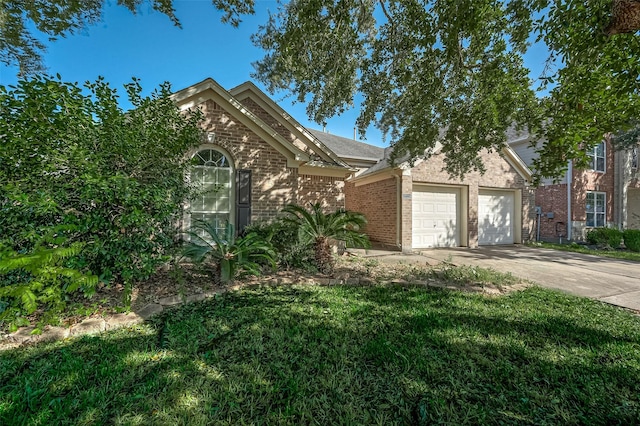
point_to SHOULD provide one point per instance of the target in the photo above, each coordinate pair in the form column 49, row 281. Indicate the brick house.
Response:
column 255, row 159
column 605, row 194
column 421, row 206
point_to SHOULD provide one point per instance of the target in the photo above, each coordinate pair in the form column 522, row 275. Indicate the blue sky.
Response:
column 148, row 46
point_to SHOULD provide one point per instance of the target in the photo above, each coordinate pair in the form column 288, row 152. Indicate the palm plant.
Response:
column 317, row 229
column 231, row 253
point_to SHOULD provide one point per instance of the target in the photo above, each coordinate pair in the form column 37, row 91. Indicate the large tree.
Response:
column 455, row 71
column 427, row 70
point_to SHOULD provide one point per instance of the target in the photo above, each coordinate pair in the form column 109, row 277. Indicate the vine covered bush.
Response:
column 70, row 155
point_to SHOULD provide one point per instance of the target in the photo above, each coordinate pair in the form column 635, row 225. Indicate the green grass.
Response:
column 576, row 248
column 346, row 355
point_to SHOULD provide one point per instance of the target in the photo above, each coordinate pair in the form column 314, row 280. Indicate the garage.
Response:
column 435, row 216
column 496, row 217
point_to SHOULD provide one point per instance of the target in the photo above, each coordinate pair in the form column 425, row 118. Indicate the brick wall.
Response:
column 552, row 199
column 584, row 181
column 276, row 125
column 378, row 202
column 274, row 185
column 328, row 191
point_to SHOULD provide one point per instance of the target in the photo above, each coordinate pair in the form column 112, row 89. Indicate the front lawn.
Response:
column 577, row 248
column 343, row 354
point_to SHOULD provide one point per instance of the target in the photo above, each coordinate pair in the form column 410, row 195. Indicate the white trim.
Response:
column 595, row 203
column 232, row 189
column 594, row 158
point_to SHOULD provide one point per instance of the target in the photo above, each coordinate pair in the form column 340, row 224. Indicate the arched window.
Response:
column 212, row 173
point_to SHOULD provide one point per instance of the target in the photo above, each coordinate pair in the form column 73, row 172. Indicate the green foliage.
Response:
column 76, row 159
column 317, row 229
column 59, row 18
column 455, row 72
column 609, row 237
column 39, row 277
column 231, row 253
column 632, row 239
column 283, row 236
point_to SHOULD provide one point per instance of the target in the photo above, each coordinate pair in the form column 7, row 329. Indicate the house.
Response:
column 420, row 206
column 605, row 194
column 256, row 158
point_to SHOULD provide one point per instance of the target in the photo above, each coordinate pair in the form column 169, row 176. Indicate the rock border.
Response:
column 93, row 326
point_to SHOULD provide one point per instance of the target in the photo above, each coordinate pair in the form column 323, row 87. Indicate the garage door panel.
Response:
column 496, row 217
column 435, row 217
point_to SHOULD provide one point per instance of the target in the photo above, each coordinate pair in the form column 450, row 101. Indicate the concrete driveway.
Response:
column 609, row 280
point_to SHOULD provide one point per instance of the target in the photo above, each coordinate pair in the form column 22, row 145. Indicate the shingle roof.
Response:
column 345, row 147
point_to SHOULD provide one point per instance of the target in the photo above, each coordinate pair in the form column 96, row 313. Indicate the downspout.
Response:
column 569, row 181
column 398, row 211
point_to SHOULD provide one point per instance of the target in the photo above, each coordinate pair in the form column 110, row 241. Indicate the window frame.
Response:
column 189, row 205
column 595, row 212
column 593, row 155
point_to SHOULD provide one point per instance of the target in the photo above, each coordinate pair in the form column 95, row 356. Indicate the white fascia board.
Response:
column 517, row 163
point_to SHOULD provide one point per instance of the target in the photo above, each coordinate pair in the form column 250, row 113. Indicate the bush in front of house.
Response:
column 609, row 237
column 71, row 156
column 632, row 239
column 40, row 279
column 317, row 229
column 283, row 236
column 230, row 254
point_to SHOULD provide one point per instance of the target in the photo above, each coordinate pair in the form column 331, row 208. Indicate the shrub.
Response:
column 228, row 252
column 609, row 237
column 283, row 236
column 39, row 277
column 316, row 229
column 632, row 239
column 118, row 177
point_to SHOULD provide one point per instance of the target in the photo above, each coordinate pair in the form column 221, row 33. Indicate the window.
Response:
column 596, row 209
column 212, row 174
column 634, row 158
column 597, row 155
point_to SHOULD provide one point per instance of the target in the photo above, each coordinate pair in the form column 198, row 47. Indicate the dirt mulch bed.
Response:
column 191, row 279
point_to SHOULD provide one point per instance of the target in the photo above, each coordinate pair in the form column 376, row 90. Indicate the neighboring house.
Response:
column 421, row 206
column 605, row 194
column 256, row 158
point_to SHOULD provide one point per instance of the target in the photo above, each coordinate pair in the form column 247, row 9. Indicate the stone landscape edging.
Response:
column 91, row 326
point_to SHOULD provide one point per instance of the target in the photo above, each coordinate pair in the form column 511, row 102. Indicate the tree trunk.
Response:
column 324, row 257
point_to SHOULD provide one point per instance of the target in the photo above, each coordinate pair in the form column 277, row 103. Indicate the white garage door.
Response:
column 435, row 217
column 495, row 217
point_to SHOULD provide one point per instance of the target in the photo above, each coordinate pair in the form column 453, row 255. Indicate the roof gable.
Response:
column 209, row 89
column 250, row 90
column 404, row 163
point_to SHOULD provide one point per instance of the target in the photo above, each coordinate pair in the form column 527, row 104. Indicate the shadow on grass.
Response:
column 296, row 355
